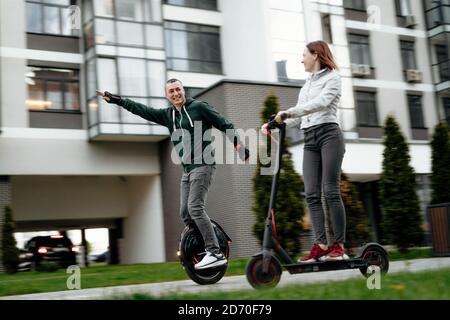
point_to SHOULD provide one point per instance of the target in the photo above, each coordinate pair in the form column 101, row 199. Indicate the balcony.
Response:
column 441, row 74
column 109, row 122
column 438, row 16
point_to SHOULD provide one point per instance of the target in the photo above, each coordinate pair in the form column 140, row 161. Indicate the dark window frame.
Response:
column 415, row 108
column 446, row 107
column 62, row 84
column 374, row 122
column 408, row 47
column 359, row 5
column 42, row 19
column 167, row 2
column 360, row 43
column 170, row 25
column 398, row 8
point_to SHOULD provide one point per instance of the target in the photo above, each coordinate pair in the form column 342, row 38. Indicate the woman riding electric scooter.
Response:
column 324, row 148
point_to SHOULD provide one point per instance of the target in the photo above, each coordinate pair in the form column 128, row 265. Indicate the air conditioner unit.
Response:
column 410, row 21
column 413, row 75
column 361, row 70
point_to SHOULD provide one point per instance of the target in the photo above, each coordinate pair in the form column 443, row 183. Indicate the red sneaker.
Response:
column 316, row 253
column 336, row 253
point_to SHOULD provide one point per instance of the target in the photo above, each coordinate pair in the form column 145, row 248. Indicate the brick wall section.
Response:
column 5, row 199
column 231, row 195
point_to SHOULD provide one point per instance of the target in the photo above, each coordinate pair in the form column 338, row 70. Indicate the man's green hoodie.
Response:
column 191, row 113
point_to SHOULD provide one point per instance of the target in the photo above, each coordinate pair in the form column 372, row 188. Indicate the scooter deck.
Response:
column 319, row 266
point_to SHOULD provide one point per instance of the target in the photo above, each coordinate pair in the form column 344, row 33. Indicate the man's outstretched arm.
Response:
column 148, row 113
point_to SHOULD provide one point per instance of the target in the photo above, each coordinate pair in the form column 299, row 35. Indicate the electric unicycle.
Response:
column 191, row 250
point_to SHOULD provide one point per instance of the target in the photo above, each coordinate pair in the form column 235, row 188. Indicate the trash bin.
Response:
column 439, row 219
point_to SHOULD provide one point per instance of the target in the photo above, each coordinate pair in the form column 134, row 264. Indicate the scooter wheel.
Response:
column 259, row 279
column 374, row 256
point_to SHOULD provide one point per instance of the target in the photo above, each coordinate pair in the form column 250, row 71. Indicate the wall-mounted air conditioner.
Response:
column 361, row 70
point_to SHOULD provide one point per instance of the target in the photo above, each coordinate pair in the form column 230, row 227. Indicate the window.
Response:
column 104, row 8
column 359, row 49
column 355, row 4
column 366, row 109
column 192, row 47
column 128, row 23
column 437, row 12
column 130, row 34
column 132, row 77
column 326, row 27
column 403, row 8
column 408, row 54
column 52, row 89
column 192, row 91
column 129, row 10
column 104, row 31
column 446, row 105
column 50, row 17
column 415, row 111
column 443, row 62
column 199, row 4
column 156, row 78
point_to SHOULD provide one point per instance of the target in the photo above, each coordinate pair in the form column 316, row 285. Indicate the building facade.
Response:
column 71, row 161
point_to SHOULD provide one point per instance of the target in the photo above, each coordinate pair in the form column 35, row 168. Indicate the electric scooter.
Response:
column 265, row 268
column 191, row 250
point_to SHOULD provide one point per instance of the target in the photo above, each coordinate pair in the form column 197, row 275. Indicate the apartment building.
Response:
column 70, row 161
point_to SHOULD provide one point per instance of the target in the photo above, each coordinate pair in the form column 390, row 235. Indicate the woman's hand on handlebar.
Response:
column 264, row 128
column 281, row 116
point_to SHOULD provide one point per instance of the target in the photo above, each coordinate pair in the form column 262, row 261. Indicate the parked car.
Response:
column 102, row 257
column 58, row 249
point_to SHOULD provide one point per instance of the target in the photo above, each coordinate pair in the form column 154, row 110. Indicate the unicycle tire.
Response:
column 192, row 250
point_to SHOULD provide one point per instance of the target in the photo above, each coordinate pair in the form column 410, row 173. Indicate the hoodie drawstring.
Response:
column 190, row 120
column 173, row 118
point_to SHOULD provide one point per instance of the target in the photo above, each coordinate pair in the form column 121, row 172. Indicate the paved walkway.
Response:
column 226, row 284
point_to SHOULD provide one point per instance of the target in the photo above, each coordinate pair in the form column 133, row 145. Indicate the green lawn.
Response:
column 428, row 285
column 104, row 276
column 101, row 276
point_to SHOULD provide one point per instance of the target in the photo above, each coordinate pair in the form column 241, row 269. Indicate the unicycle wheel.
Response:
column 192, row 251
column 259, row 279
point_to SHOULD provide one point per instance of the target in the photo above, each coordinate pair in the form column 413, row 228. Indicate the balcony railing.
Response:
column 441, row 72
column 438, row 16
column 110, row 122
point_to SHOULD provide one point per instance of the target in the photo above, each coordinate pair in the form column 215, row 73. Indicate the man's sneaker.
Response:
column 211, row 260
column 316, row 254
column 336, row 253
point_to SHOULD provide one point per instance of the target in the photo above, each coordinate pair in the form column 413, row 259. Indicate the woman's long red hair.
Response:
column 324, row 53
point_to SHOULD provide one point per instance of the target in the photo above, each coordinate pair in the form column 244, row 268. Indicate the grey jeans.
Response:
column 194, row 191
column 322, row 159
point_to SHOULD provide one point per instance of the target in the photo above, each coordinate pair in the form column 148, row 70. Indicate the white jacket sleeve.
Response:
column 290, row 123
column 330, row 91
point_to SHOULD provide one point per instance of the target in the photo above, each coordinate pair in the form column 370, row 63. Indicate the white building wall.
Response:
column 69, row 197
column 246, row 49
column 12, row 75
column 143, row 229
column 363, row 161
column 73, row 155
